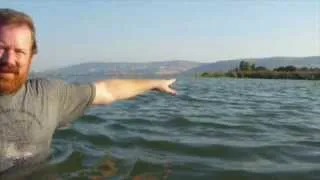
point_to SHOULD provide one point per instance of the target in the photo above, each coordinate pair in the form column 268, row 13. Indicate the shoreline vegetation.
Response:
column 249, row 70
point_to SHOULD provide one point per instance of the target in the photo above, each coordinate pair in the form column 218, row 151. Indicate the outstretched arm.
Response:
column 108, row 91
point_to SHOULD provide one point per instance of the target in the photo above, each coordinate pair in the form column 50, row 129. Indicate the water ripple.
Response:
column 213, row 129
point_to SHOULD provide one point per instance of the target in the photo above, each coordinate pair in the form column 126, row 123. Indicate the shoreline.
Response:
column 268, row 74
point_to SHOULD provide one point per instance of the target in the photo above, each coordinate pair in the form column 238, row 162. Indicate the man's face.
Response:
column 15, row 57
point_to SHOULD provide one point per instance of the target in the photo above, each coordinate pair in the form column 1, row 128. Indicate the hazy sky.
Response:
column 145, row 30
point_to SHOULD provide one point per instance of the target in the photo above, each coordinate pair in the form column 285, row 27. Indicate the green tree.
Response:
column 246, row 66
column 286, row 69
column 253, row 66
column 261, row 68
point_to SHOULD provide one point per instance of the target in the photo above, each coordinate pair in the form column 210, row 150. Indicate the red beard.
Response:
column 11, row 80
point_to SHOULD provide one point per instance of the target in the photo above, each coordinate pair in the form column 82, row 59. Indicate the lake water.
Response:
column 213, row 129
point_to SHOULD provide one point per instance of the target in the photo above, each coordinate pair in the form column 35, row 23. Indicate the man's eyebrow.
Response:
column 20, row 49
column 17, row 48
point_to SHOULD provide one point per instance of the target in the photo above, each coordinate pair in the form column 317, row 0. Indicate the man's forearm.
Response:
column 108, row 91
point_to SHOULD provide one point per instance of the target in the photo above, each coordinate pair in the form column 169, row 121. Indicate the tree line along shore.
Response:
column 249, row 70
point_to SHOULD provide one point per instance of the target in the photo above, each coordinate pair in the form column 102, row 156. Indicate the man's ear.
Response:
column 32, row 56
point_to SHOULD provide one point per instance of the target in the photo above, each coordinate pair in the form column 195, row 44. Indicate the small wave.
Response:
column 91, row 119
column 116, row 127
column 217, row 150
column 196, row 99
column 74, row 135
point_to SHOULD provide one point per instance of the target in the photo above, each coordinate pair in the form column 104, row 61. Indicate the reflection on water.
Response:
column 107, row 169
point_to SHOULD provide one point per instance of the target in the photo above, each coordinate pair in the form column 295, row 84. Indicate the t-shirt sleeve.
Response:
column 72, row 100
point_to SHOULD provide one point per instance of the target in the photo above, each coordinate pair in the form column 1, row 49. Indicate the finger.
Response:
column 170, row 91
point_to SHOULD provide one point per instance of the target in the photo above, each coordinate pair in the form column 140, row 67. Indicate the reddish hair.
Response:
column 13, row 17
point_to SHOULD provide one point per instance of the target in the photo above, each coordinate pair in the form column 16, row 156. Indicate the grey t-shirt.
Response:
column 29, row 118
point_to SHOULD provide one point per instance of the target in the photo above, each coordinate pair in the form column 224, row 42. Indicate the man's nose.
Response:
column 8, row 58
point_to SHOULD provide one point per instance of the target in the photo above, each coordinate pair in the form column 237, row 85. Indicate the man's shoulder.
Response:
column 58, row 86
column 41, row 86
column 42, row 82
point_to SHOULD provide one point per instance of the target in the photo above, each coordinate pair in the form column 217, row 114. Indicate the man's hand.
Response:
column 164, row 86
column 108, row 91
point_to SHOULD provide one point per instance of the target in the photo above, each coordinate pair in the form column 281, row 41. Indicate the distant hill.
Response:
column 155, row 68
column 177, row 66
column 271, row 62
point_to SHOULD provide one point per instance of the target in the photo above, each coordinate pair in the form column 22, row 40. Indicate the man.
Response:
column 32, row 109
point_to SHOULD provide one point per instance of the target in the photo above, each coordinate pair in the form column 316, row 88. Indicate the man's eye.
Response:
column 19, row 51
